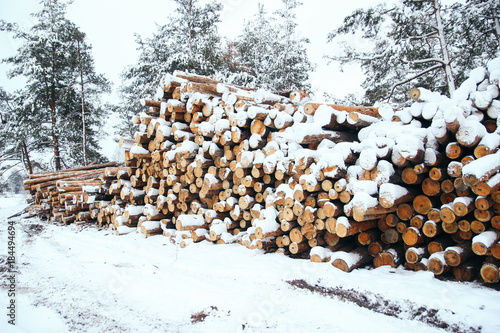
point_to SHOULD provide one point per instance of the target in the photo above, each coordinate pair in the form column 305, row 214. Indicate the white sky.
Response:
column 110, row 26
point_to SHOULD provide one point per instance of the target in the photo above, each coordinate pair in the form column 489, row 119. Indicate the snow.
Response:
column 385, row 170
column 342, row 220
column 494, row 109
column 321, row 252
column 262, row 95
column 456, row 249
column 85, row 280
column 135, row 210
column 418, row 251
column 201, row 232
column 363, row 186
column 368, row 159
column 439, row 256
column 432, row 222
column 478, row 74
column 493, row 64
column 430, row 96
column 482, row 99
column 138, row 150
column 392, row 192
column 463, row 200
column 218, row 227
column 191, row 220
column 482, row 165
column 90, row 188
column 151, row 225
column 429, row 110
column 416, row 109
column 495, row 77
column 386, row 111
column 487, row 238
column 349, row 258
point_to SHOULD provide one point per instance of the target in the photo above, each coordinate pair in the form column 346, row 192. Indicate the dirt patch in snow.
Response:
column 379, row 304
column 199, row 317
column 33, row 229
column 4, row 266
column 211, row 311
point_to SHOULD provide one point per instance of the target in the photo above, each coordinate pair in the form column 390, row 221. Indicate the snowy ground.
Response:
column 75, row 279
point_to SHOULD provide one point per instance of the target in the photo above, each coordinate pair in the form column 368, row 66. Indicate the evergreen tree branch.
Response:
column 400, row 83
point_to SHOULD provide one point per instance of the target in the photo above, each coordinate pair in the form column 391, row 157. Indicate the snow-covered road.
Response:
column 78, row 279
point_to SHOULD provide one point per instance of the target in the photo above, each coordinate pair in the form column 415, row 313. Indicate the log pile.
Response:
column 351, row 186
column 70, row 196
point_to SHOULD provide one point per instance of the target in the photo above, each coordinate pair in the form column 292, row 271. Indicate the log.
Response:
column 296, row 248
column 465, row 272
column 458, row 254
column 392, row 257
column 437, row 263
column 490, row 272
column 439, row 244
column 310, row 109
column 483, row 242
column 431, row 229
column 423, row 204
column 345, row 228
column 367, row 237
column 412, row 237
column 414, row 255
column 481, row 169
column 348, row 261
column 392, row 236
column 393, row 194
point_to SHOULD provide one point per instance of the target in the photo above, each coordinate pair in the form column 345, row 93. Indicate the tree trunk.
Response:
column 84, row 129
column 55, row 139
column 27, row 157
column 444, row 49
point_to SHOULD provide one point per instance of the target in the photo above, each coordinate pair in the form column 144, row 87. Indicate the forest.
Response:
column 55, row 122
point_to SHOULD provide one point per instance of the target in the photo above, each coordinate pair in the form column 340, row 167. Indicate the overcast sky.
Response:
column 110, row 26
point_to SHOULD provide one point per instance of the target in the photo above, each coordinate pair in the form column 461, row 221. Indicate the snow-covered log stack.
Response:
column 69, row 196
column 352, row 186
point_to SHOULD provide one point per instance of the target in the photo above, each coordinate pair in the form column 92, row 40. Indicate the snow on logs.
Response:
column 72, row 195
column 351, row 186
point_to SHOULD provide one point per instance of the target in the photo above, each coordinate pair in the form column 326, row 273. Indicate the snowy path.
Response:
column 93, row 281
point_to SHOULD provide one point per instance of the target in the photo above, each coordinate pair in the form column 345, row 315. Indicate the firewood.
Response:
column 391, row 257
column 437, row 263
column 414, row 255
column 490, row 270
column 483, row 242
column 348, row 261
column 310, row 109
column 459, row 254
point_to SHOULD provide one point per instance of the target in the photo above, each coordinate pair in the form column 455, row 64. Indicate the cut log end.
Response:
column 490, row 273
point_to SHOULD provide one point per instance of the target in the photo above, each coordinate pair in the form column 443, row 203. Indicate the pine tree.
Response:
column 477, row 25
column 190, row 41
column 56, row 61
column 257, row 49
column 292, row 67
column 89, row 85
column 410, row 46
column 16, row 145
column 270, row 53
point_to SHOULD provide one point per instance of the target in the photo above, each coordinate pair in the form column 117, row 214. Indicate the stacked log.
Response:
column 352, row 186
column 70, row 196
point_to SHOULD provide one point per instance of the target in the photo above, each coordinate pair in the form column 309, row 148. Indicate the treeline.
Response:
column 417, row 43
column 59, row 112
column 269, row 53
